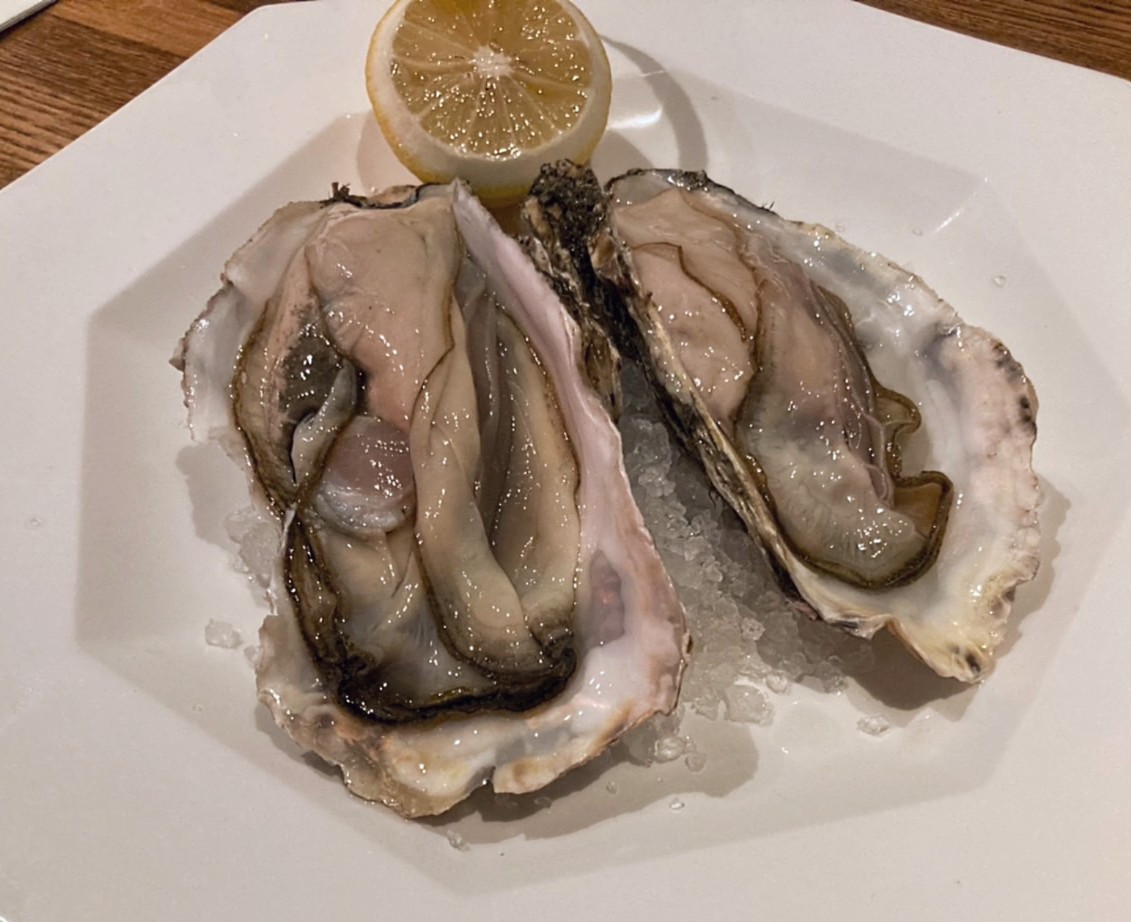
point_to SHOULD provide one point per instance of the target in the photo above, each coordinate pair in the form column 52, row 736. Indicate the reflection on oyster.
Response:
column 465, row 592
column 802, row 371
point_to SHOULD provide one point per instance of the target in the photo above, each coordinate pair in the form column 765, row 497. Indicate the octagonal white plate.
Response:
column 138, row 779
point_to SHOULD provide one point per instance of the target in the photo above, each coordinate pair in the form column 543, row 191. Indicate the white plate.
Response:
column 139, row 781
column 13, row 11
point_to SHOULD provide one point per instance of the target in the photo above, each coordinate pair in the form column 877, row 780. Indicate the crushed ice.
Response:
column 221, row 634
column 778, row 683
column 747, row 635
column 457, row 841
column 657, row 740
column 747, row 704
column 873, row 725
column 670, row 748
column 256, row 536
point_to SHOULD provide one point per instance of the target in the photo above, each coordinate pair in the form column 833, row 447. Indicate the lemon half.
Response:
column 488, row 90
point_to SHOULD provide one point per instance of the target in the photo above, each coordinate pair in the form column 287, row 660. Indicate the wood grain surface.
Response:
column 1092, row 33
column 68, row 67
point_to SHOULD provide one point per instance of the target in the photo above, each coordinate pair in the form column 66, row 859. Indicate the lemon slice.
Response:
column 488, row 90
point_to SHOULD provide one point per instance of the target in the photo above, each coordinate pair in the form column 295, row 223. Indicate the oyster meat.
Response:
column 465, row 590
column 879, row 447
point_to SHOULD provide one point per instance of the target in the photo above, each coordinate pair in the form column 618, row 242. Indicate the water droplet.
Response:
column 34, row 522
column 696, row 761
column 1000, row 281
column 457, row 841
column 544, row 802
column 611, row 787
column 917, row 231
column 676, row 804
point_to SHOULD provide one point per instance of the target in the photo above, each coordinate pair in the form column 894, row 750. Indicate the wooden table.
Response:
column 70, row 66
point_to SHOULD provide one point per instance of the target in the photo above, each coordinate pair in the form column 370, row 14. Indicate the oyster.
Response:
column 879, row 447
column 465, row 590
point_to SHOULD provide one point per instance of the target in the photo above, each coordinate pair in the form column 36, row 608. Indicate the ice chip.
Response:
column 778, row 683
column 669, row 748
column 221, row 634
column 747, row 704
column 873, row 725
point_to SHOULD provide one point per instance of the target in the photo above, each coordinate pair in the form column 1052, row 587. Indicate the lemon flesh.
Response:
column 488, row 91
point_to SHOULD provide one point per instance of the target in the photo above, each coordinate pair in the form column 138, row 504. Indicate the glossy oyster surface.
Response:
column 879, row 447
column 465, row 591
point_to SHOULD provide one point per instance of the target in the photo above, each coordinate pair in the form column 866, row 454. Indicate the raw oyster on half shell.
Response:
column 465, row 592
column 879, row 447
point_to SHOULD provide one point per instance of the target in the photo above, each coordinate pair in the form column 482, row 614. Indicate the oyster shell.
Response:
column 879, row 447
column 465, row 592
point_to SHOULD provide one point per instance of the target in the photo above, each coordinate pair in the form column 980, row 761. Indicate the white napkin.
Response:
column 12, row 11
